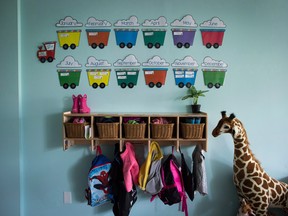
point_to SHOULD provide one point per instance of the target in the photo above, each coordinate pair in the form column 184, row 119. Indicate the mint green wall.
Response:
column 9, row 97
column 32, row 159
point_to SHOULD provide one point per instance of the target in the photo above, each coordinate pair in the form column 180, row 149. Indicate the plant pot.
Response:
column 195, row 108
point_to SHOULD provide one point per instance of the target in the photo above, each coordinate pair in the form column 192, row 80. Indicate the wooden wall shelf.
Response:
column 177, row 134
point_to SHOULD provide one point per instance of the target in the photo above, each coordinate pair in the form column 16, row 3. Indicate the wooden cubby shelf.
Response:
column 93, row 119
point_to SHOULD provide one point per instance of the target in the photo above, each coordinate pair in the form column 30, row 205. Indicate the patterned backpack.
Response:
column 99, row 191
column 173, row 187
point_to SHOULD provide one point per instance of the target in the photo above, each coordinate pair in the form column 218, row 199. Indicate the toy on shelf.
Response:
column 46, row 52
column 253, row 184
column 80, row 104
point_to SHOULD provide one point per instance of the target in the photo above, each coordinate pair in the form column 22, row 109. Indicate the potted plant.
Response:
column 194, row 94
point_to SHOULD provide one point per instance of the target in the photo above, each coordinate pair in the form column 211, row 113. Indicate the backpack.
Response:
column 188, row 177
column 98, row 191
column 173, row 188
column 150, row 175
column 123, row 201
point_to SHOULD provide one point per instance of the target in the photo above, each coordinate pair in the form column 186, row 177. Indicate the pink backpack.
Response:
column 173, row 187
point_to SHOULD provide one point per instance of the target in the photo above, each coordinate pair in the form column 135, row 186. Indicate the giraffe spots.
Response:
column 248, row 183
column 271, row 184
column 237, row 152
column 240, row 164
column 258, row 181
column 240, row 175
column 251, row 167
column 265, row 184
column 245, row 157
column 278, row 189
column 273, row 193
column 256, row 188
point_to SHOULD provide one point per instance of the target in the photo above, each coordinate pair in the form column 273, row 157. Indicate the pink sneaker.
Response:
column 83, row 108
column 75, row 107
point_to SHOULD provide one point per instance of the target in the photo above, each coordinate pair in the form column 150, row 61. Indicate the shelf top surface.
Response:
column 163, row 114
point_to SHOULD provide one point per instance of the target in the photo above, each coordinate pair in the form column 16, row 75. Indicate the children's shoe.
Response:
column 75, row 107
column 83, row 108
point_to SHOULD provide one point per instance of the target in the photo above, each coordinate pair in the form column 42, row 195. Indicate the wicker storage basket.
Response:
column 162, row 131
column 192, row 131
column 75, row 130
column 108, row 130
column 134, row 131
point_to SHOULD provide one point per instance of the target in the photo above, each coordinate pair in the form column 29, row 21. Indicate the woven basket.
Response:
column 108, row 130
column 134, row 131
column 162, row 131
column 192, row 131
column 75, row 130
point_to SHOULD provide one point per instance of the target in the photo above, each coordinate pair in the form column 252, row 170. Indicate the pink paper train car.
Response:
column 155, row 76
column 98, row 37
column 212, row 37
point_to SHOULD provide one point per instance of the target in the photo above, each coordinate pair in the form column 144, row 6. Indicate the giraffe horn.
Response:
column 223, row 113
column 232, row 116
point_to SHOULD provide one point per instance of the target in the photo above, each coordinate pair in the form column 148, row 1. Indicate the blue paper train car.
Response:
column 126, row 37
column 185, row 77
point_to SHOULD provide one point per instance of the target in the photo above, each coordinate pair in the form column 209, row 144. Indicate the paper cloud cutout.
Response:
column 186, row 21
column 188, row 61
column 128, row 61
column 215, row 22
column 212, row 63
column 156, row 61
column 93, row 22
column 93, row 62
column 161, row 21
column 68, row 21
column 131, row 22
column 69, row 62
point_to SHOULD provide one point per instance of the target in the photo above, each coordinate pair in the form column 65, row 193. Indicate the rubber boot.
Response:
column 83, row 108
column 75, row 107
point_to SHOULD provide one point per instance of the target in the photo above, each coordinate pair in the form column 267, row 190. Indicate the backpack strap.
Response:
column 98, row 150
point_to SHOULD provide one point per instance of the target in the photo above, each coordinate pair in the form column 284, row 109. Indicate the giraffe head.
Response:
column 228, row 125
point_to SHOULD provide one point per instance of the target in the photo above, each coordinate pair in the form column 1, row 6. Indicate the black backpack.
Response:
column 122, row 200
column 188, row 178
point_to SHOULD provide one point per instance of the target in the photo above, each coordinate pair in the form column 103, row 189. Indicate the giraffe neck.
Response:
column 245, row 163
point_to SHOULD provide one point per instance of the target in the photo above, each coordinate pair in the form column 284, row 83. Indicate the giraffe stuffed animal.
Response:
column 252, row 183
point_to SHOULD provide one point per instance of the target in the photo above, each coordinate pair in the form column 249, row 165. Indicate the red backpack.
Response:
column 173, row 187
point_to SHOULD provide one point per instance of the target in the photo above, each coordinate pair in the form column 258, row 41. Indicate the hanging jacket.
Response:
column 199, row 170
column 130, row 166
column 149, row 175
column 122, row 200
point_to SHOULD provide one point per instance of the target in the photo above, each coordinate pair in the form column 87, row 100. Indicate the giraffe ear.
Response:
column 223, row 113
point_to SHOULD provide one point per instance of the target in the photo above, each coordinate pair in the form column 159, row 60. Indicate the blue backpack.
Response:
column 99, row 191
